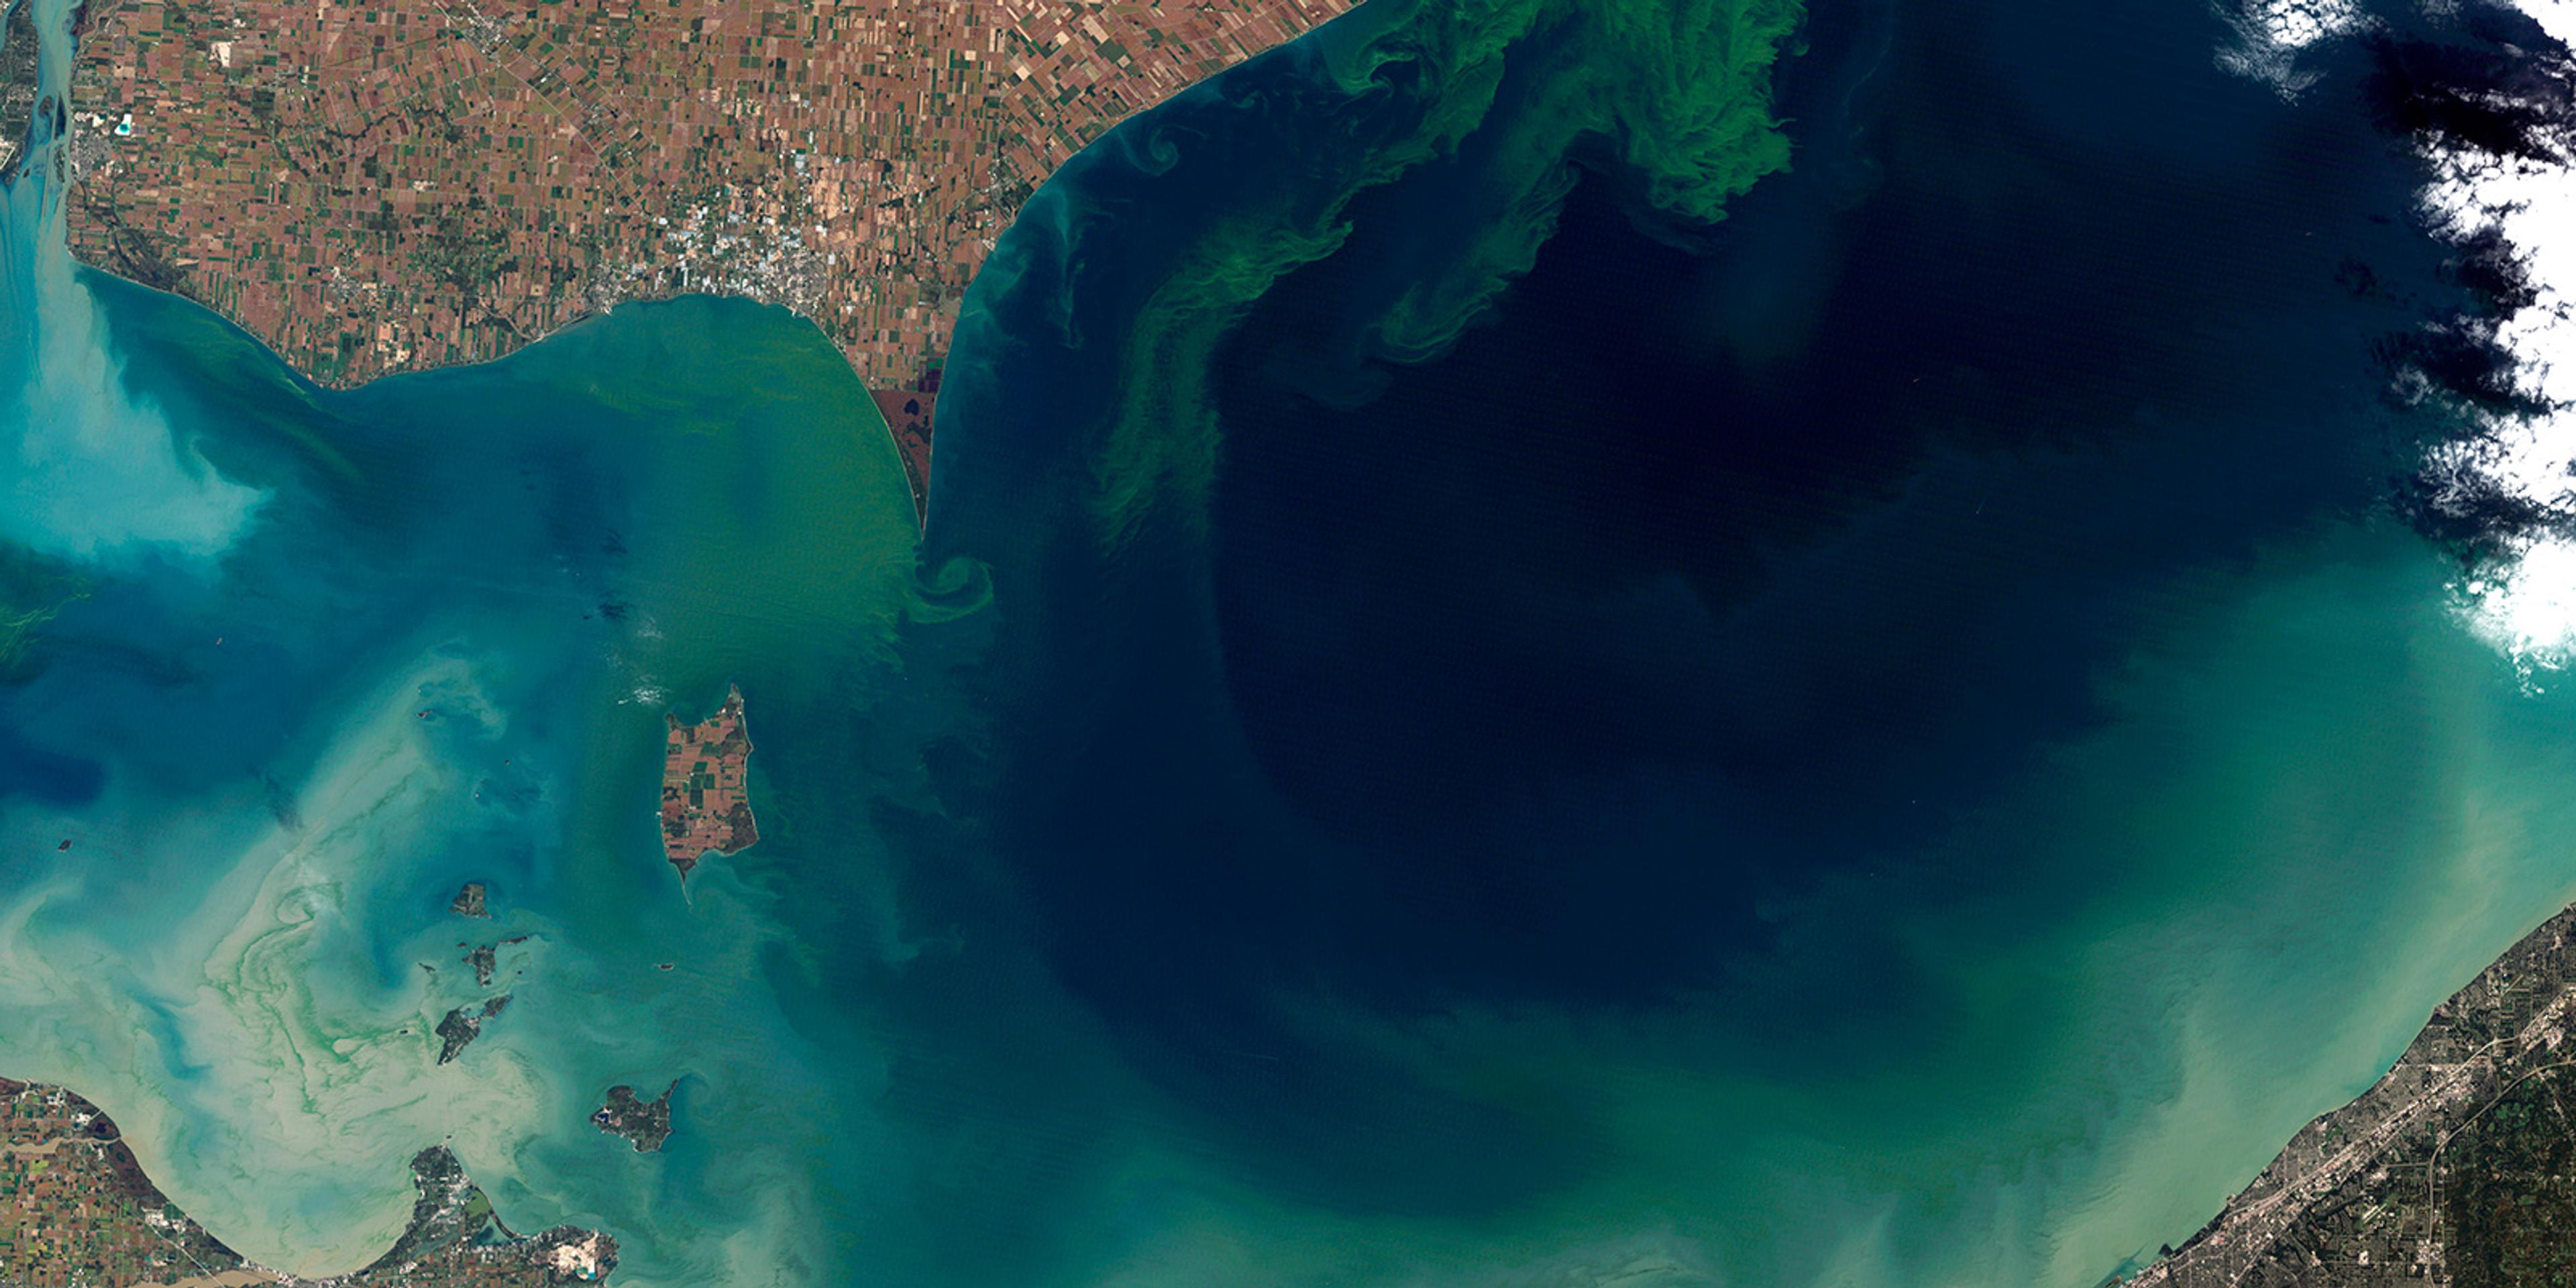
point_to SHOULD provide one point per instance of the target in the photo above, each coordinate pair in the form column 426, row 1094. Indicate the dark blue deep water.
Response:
column 1719, row 581
column 1569, row 656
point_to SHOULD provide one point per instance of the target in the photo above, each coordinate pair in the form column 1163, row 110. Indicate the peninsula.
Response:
column 76, row 1208
column 705, row 807
column 396, row 185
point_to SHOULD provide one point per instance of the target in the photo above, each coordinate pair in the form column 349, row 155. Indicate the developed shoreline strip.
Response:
column 2368, row 1193
column 75, row 1207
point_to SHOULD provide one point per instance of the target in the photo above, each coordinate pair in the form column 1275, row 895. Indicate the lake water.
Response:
column 1456, row 722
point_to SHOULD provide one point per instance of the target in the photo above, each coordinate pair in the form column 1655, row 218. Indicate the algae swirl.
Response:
column 1678, row 90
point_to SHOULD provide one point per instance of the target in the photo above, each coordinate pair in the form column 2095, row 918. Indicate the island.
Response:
column 645, row 1123
column 2457, row 1167
column 464, row 1024
column 375, row 186
column 704, row 805
column 76, row 1208
column 470, row 901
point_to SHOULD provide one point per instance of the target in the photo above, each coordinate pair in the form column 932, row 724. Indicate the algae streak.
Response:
column 1679, row 90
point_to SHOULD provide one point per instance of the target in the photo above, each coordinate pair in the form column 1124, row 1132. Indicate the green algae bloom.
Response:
column 1679, row 89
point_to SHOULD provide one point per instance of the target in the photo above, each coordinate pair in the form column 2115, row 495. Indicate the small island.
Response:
column 76, row 1207
column 470, row 901
column 463, row 1025
column 705, row 807
column 645, row 1123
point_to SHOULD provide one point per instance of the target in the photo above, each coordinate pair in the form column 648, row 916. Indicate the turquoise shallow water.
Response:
column 1406, row 813
column 428, row 663
column 317, row 659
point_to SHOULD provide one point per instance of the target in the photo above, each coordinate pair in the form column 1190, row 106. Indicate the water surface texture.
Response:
column 1698, row 642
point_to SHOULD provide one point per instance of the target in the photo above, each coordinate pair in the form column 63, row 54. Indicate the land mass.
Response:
column 644, row 1123
column 704, row 806
column 2458, row 1167
column 460, row 1026
column 464, row 1024
column 76, row 1208
column 373, row 186
column 17, row 83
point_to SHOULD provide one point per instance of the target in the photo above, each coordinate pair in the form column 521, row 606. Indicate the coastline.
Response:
column 2359, row 1188
column 872, row 247
column 59, row 1146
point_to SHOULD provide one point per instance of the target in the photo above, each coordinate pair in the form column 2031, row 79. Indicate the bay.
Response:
column 1435, row 736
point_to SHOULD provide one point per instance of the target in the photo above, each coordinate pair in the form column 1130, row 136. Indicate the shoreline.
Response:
column 2383, row 1154
column 79, row 1156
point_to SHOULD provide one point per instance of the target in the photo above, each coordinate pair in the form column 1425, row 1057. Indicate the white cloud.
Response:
column 2524, row 602
column 2270, row 34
